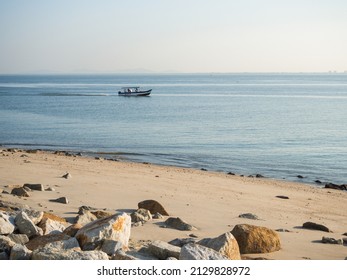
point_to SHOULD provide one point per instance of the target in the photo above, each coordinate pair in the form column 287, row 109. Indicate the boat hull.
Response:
column 139, row 93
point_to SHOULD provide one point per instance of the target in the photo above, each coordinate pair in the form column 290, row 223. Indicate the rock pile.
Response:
column 27, row 234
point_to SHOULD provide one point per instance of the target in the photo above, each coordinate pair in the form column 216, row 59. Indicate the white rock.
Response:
column 6, row 223
column 193, row 251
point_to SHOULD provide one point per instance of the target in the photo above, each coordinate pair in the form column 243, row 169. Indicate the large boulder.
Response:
column 163, row 250
column 193, row 251
column 225, row 244
column 48, row 253
column 26, row 226
column 42, row 241
column 255, row 239
column 116, row 227
column 6, row 223
column 34, row 216
column 153, row 206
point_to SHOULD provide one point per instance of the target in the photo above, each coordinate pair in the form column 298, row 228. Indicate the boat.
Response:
column 134, row 91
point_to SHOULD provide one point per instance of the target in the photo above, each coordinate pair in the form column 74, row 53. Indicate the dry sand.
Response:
column 210, row 201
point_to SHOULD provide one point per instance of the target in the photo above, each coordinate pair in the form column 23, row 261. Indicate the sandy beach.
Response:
column 210, row 201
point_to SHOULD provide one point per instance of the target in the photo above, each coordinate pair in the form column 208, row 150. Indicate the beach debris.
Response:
column 314, row 226
column 7, row 225
column 163, row 250
column 34, row 187
column 178, row 223
column 153, row 206
column 26, row 226
column 67, row 175
column 256, row 239
column 249, row 216
column 62, row 200
column 225, row 244
column 21, row 192
column 282, row 230
column 336, row 187
column 193, row 251
column 47, row 253
column 116, row 227
column 330, row 240
column 282, row 196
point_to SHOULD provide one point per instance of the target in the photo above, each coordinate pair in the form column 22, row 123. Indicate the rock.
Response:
column 121, row 255
column 336, row 187
column 3, row 256
column 318, row 182
column 141, row 215
column 20, row 252
column 132, row 255
column 35, row 187
column 34, row 216
column 6, row 223
column 26, row 226
column 163, row 250
column 330, row 240
column 116, row 227
column 255, row 239
column 231, row 173
column 282, row 230
column 67, row 175
column 249, row 216
column 85, row 218
column 225, row 244
column 300, row 177
column 193, row 251
column 72, row 230
column 42, row 241
column 180, row 242
column 282, row 196
column 72, row 254
column 344, row 241
column 50, row 226
column 179, row 224
column 153, row 206
column 20, row 192
column 314, row 226
column 53, row 217
column 50, row 189
column 6, row 244
column 84, row 207
column 19, row 238
column 110, row 246
column 66, row 244
column 101, row 214
column 62, row 200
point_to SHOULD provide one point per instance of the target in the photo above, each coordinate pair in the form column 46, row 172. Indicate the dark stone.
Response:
column 314, row 226
column 300, row 177
column 179, row 224
column 282, row 196
column 249, row 216
column 318, row 182
column 259, row 176
column 336, row 187
column 203, row 169
column 153, row 206
column 34, row 187
column 62, row 200
column 330, row 240
column 20, row 192
column 180, row 242
column 231, row 173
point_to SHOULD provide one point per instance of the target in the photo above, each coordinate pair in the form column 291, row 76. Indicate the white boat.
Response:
column 134, row 91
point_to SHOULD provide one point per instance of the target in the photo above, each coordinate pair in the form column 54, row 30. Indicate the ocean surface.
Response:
column 277, row 125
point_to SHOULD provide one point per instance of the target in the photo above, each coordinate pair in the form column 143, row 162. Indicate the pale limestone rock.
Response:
column 6, row 223
column 225, row 244
column 116, row 227
column 163, row 250
column 193, row 251
column 71, row 254
column 26, row 226
column 20, row 252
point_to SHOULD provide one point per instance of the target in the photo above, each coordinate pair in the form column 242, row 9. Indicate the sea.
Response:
column 281, row 125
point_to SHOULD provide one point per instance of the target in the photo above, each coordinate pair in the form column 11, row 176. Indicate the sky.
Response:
column 189, row 36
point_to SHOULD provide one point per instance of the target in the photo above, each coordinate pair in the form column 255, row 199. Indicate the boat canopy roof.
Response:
column 130, row 87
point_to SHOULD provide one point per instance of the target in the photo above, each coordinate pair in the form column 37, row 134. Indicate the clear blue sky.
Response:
column 181, row 35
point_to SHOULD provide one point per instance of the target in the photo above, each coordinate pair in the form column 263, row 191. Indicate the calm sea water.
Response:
column 278, row 125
